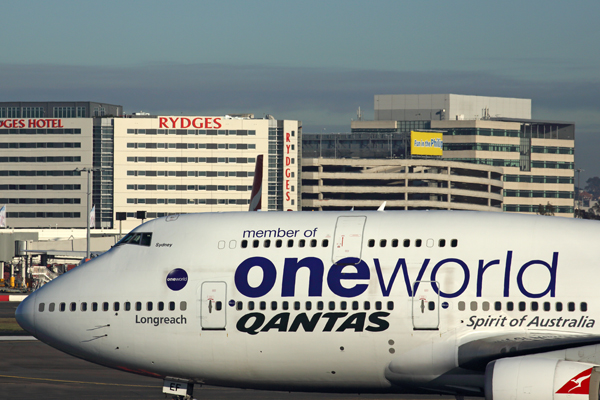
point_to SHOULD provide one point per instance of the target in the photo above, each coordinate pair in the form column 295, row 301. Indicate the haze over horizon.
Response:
column 312, row 61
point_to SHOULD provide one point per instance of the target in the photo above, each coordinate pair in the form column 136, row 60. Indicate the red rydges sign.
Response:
column 32, row 123
column 184, row 123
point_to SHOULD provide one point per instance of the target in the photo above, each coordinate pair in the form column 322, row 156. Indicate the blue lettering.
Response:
column 465, row 281
column 480, row 272
column 551, row 285
column 335, row 276
column 290, row 270
column 400, row 264
column 507, row 273
column 268, row 279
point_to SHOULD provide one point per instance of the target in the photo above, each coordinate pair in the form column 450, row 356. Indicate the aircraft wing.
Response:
column 475, row 355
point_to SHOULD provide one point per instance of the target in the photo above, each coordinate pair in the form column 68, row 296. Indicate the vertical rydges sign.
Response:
column 289, row 197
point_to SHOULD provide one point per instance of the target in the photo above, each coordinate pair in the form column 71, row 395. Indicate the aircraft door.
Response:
column 212, row 299
column 348, row 237
column 425, row 306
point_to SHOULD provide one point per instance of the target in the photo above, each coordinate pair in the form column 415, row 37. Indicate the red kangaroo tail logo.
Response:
column 255, row 197
column 580, row 384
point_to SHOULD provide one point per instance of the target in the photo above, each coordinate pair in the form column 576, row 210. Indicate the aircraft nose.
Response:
column 25, row 314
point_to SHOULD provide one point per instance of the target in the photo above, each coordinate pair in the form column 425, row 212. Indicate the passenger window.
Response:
column 285, row 305
column 296, row 305
column 138, row 306
column 41, row 307
column 461, row 306
column 382, row 243
column 390, row 305
column 183, row 306
column 406, row 243
column 149, row 306
column 325, row 243
column 559, row 306
column 418, row 243
column 73, row 307
column 454, row 242
column 378, row 305
column 355, row 305
column 431, row 305
column 278, row 243
column 485, row 306
column 546, row 306
column 105, row 306
column 94, row 306
column 250, row 305
column 263, row 305
column 239, row 306
column 218, row 305
column 127, row 306
column 473, row 306
column 308, row 306
column 319, row 305
column 62, row 307
column 301, row 243
column 583, row 306
column 244, row 244
column 161, row 306
column 51, row 307
column 273, row 305
column 534, row 306
column 371, row 243
column 498, row 306
column 343, row 305
column 83, row 307
column 367, row 305
column 522, row 306
column 395, row 243
column 172, row 306
column 510, row 306
column 255, row 243
column 571, row 306
column 290, row 243
column 313, row 243
column 442, row 242
column 267, row 243
column 331, row 305
column 116, row 306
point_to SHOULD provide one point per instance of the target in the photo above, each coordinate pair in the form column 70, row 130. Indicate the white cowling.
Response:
column 535, row 378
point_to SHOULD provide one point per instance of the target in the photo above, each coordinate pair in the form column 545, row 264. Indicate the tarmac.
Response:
column 30, row 369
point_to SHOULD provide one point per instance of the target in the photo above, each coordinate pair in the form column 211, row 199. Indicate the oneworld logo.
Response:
column 177, row 279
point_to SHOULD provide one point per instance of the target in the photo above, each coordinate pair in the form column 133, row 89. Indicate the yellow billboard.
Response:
column 426, row 143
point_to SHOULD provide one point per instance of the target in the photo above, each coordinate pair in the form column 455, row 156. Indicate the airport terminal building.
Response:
column 158, row 164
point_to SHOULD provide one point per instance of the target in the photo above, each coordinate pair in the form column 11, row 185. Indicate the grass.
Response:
column 9, row 325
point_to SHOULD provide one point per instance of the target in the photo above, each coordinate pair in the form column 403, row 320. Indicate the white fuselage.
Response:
column 370, row 301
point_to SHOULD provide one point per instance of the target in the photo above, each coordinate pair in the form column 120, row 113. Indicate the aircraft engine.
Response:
column 535, row 378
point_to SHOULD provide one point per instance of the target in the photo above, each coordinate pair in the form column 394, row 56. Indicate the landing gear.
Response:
column 178, row 388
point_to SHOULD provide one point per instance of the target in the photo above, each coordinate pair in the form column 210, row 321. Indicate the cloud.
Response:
column 323, row 98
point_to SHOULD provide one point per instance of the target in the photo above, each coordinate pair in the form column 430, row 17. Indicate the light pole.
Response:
column 578, row 201
column 89, row 200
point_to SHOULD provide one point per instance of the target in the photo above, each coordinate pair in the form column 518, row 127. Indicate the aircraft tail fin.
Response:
column 255, row 197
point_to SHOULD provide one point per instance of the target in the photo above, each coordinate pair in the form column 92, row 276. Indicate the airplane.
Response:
column 495, row 305
column 462, row 303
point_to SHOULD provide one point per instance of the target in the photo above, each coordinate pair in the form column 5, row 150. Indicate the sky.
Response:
column 315, row 61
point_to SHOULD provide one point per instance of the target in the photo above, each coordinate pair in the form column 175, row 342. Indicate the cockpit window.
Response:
column 139, row 238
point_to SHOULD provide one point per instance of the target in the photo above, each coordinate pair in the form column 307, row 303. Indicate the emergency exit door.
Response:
column 212, row 300
column 425, row 306
column 348, row 238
